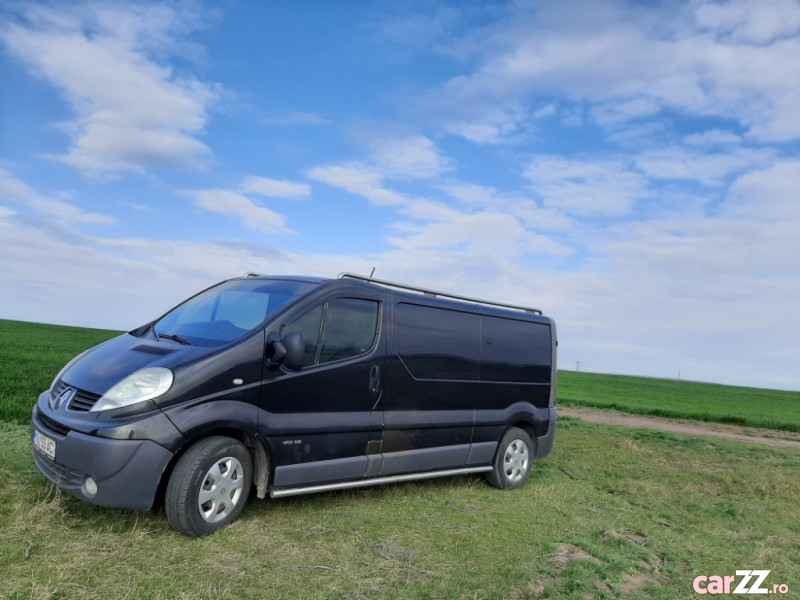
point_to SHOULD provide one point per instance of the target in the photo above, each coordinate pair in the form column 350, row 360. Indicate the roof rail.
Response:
column 251, row 274
column 402, row 286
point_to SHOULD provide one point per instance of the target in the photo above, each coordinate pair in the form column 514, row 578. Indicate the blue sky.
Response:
column 631, row 168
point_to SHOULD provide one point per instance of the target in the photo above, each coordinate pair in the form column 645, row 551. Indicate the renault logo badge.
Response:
column 62, row 399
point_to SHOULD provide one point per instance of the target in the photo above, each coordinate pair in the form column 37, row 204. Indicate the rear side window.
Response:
column 338, row 329
column 438, row 343
column 515, row 351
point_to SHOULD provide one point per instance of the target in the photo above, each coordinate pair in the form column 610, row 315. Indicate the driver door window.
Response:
column 338, row 329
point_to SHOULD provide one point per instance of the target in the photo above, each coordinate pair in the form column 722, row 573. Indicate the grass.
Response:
column 612, row 513
column 770, row 409
column 31, row 355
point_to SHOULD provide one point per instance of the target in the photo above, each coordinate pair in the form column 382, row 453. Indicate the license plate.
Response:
column 44, row 444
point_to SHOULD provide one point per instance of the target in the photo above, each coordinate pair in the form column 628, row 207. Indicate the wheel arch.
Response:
column 258, row 448
column 527, row 427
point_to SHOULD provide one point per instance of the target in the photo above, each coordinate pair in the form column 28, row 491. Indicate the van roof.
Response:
column 288, row 277
column 401, row 286
column 436, row 294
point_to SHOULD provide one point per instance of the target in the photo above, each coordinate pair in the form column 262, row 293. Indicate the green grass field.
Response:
column 771, row 409
column 31, row 355
column 611, row 513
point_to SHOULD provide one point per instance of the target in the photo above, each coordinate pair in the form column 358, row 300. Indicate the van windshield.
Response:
column 228, row 311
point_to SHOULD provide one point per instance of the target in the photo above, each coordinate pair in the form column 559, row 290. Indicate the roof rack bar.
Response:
column 427, row 292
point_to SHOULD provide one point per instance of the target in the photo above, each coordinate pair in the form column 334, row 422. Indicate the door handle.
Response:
column 374, row 379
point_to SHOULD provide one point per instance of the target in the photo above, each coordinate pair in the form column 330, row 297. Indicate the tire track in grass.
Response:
column 737, row 433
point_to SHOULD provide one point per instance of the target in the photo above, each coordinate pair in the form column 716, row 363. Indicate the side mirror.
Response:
column 288, row 351
column 295, row 350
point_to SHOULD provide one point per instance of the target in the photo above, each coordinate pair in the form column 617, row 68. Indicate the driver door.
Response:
column 322, row 420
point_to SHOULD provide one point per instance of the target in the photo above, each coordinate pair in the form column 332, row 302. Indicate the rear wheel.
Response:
column 512, row 463
column 209, row 486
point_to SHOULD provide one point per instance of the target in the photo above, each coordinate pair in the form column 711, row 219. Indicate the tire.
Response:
column 512, row 463
column 209, row 486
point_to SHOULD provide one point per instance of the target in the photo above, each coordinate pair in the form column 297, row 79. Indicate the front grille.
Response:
column 83, row 401
column 52, row 425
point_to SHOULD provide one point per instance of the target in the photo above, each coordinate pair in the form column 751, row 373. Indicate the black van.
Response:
column 296, row 385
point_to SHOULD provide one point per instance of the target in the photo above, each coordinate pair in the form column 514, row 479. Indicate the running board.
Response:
column 313, row 489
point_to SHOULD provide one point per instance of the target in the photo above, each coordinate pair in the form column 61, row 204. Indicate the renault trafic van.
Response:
column 293, row 385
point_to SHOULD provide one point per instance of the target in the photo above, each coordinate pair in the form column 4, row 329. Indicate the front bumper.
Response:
column 127, row 472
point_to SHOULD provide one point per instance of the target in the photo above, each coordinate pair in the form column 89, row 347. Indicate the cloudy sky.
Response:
column 632, row 168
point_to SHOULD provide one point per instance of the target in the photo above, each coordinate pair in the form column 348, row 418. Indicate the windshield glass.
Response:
column 228, row 311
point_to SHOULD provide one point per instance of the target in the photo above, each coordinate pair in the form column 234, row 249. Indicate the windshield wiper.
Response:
column 175, row 338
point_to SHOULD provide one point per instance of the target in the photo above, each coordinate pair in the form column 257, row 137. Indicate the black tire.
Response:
column 209, row 486
column 513, row 460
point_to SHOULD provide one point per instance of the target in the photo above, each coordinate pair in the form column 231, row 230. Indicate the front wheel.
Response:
column 209, row 486
column 512, row 463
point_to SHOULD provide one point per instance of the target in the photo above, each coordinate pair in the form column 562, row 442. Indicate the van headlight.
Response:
column 142, row 385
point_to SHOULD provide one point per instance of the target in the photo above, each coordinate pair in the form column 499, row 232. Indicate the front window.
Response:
column 338, row 329
column 228, row 311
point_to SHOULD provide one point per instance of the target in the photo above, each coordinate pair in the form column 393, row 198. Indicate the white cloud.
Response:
column 132, row 111
column 252, row 214
column 713, row 137
column 683, row 290
column 606, row 187
column 14, row 190
column 710, row 169
column 748, row 22
column 58, row 277
column 359, row 179
column 770, row 195
column 532, row 215
column 430, row 210
column 485, row 236
column 274, row 188
column 405, row 155
column 611, row 114
column 469, row 232
column 734, row 60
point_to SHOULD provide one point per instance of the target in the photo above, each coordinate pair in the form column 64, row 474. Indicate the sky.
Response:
column 631, row 168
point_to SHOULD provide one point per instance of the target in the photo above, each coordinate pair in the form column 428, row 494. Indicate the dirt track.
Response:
column 750, row 435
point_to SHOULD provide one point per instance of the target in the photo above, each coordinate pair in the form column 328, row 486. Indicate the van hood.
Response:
column 104, row 365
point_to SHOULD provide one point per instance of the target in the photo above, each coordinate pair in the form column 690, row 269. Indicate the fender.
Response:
column 203, row 417
column 538, row 418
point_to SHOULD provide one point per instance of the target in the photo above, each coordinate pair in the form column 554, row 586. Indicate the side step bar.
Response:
column 313, row 489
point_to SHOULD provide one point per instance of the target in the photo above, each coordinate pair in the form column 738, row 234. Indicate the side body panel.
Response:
column 457, row 377
column 433, row 374
column 322, row 423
